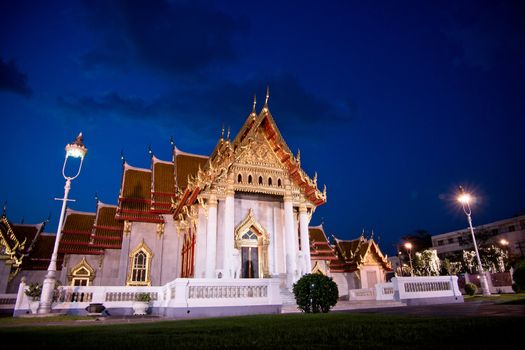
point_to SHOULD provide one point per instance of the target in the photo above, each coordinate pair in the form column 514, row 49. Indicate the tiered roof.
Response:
column 162, row 186
column 354, row 253
column 77, row 234
column 320, row 248
column 19, row 240
column 134, row 203
column 40, row 255
column 107, row 229
column 91, row 233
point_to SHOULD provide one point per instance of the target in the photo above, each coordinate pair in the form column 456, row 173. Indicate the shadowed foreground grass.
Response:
column 299, row 331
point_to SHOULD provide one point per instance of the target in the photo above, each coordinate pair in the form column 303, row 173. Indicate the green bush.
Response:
column 34, row 290
column 519, row 275
column 315, row 293
column 470, row 288
column 143, row 297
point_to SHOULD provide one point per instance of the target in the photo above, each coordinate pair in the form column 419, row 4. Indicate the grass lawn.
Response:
column 298, row 331
column 517, row 298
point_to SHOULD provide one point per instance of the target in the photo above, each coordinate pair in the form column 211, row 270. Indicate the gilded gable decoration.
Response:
column 82, row 274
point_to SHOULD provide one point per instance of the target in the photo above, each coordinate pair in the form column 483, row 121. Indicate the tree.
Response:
column 426, row 263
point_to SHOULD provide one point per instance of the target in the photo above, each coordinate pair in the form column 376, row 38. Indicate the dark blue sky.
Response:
column 394, row 104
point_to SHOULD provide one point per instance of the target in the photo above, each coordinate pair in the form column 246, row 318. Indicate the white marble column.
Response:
column 305, row 239
column 211, row 237
column 200, row 245
column 228, row 234
column 290, row 239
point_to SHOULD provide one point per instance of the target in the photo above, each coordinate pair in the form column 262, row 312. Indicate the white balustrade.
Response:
column 426, row 287
column 178, row 293
column 362, row 294
column 384, row 291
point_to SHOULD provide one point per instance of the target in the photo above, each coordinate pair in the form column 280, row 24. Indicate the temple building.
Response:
column 242, row 212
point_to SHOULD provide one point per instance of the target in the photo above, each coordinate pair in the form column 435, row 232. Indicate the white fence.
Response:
column 385, row 291
column 362, row 294
column 410, row 288
column 180, row 293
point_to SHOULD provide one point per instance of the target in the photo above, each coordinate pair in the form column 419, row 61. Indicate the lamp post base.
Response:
column 485, row 284
column 46, row 298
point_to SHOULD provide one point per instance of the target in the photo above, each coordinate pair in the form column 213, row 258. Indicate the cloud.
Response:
column 181, row 37
column 206, row 106
column 12, row 80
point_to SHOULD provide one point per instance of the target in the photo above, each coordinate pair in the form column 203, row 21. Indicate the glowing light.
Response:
column 76, row 149
column 464, row 198
column 408, row 245
column 503, row 241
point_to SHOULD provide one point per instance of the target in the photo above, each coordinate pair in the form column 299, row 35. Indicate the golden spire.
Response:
column 267, row 96
column 222, row 132
column 298, row 157
column 228, row 136
column 254, row 103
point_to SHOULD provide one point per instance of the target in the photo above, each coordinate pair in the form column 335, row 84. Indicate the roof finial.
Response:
column 172, row 142
column 254, row 103
column 228, row 135
column 122, row 157
column 363, row 233
column 96, row 198
column 48, row 217
column 222, row 132
column 267, row 96
column 298, row 157
column 372, row 235
column 150, row 151
column 5, row 209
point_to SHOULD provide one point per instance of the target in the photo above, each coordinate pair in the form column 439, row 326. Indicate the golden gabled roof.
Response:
column 226, row 153
column 354, row 252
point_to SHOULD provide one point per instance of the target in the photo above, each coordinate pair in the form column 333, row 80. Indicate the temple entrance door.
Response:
column 250, row 262
column 250, row 255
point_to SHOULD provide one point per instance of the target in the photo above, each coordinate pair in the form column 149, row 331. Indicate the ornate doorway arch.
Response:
column 252, row 240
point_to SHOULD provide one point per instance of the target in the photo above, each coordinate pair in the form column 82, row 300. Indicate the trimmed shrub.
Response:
column 519, row 275
column 470, row 288
column 315, row 293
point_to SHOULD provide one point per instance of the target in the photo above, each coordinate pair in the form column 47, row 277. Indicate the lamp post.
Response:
column 408, row 246
column 76, row 149
column 464, row 198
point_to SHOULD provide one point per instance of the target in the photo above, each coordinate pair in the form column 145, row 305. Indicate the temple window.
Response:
column 239, row 178
column 279, row 183
column 250, row 181
column 140, row 266
column 260, row 180
column 269, row 181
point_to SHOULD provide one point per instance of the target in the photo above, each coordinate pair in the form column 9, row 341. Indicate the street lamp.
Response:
column 408, row 246
column 75, row 149
column 464, row 198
